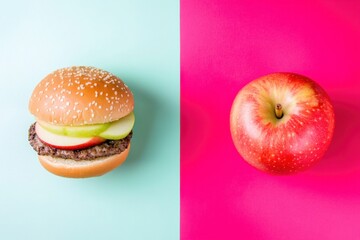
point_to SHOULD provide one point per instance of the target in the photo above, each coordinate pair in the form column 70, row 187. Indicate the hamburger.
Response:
column 84, row 121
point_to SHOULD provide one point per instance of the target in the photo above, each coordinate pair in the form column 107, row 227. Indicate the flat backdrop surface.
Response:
column 136, row 40
column 226, row 44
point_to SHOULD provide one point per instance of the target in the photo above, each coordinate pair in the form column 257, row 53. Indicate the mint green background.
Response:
column 137, row 40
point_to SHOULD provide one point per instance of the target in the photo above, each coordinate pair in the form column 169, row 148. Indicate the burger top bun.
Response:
column 81, row 95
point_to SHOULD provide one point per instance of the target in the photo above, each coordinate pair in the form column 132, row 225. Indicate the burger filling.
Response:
column 104, row 149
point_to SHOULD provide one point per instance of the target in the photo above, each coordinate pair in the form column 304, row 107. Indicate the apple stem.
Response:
column 278, row 111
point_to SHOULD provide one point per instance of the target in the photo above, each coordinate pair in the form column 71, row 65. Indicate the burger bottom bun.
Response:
column 83, row 168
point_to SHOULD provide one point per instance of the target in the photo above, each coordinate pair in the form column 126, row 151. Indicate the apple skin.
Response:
column 66, row 142
column 289, row 144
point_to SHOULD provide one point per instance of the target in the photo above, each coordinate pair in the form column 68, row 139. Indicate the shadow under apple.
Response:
column 342, row 155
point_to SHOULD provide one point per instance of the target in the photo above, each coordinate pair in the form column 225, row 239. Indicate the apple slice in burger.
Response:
column 120, row 128
column 114, row 130
column 75, row 131
column 66, row 142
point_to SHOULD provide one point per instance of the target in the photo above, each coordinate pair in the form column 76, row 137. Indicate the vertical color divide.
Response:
column 226, row 44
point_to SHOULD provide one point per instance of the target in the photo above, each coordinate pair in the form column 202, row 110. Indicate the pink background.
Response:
column 226, row 44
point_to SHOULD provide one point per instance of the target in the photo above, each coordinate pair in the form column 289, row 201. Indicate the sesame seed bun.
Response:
column 82, row 168
column 81, row 95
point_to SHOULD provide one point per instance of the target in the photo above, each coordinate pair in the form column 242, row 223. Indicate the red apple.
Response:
column 66, row 142
column 282, row 123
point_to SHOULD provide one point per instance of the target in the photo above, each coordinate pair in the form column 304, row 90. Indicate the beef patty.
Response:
column 105, row 149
